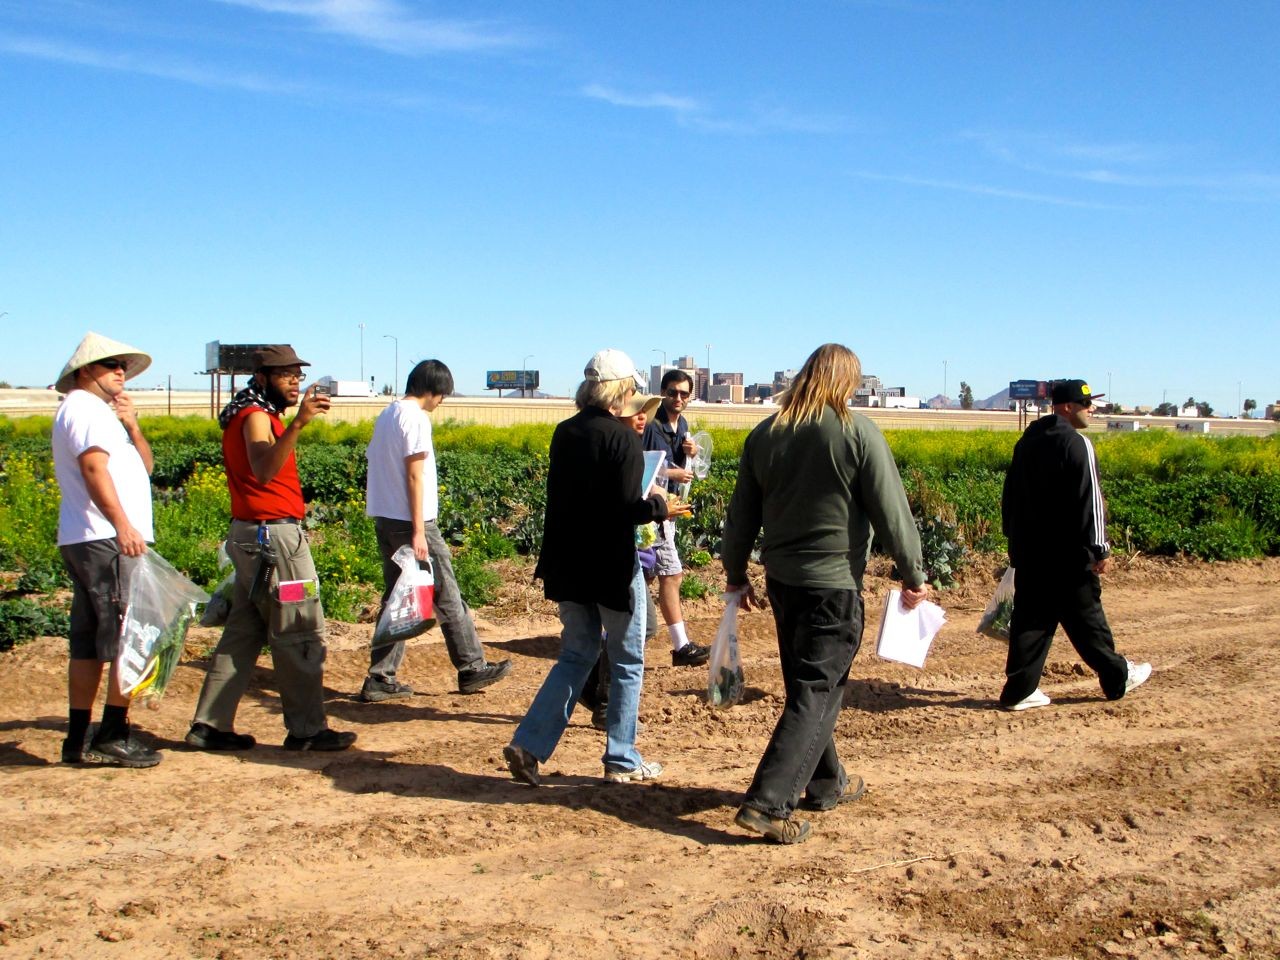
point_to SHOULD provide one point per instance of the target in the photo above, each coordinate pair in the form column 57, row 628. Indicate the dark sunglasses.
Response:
column 111, row 363
column 678, row 394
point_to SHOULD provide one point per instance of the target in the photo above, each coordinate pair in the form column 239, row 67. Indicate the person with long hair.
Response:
column 817, row 478
column 588, row 565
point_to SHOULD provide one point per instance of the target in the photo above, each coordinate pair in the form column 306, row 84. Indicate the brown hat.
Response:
column 277, row 355
column 95, row 347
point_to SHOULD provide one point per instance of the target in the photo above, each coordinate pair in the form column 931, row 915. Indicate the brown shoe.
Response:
column 522, row 764
column 853, row 790
column 773, row 828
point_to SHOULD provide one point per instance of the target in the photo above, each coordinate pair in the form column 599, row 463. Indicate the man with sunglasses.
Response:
column 103, row 467
column 276, row 598
column 669, row 432
column 1055, row 519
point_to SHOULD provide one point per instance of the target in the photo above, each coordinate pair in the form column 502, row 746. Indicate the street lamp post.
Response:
column 395, row 380
column 707, row 391
column 524, row 372
column 361, row 326
column 1111, row 401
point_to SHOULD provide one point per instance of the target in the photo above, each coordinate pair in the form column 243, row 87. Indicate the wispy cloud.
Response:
column 167, row 68
column 1146, row 166
column 389, row 25
column 981, row 189
column 644, row 101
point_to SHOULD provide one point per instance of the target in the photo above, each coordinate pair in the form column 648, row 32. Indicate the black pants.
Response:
column 1041, row 601
column 819, row 632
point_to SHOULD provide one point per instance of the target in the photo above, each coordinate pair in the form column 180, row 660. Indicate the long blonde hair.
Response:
column 827, row 379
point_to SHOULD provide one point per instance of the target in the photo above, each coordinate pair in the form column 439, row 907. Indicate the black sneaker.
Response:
column 690, row 655
column 124, row 752
column 376, row 690
column 204, row 737
column 522, row 764
column 473, row 681
column 326, row 739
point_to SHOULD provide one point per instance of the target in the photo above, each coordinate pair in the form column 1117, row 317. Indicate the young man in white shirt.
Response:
column 402, row 496
column 103, row 466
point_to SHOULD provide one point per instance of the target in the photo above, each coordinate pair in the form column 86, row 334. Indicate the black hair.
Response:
column 429, row 378
column 676, row 376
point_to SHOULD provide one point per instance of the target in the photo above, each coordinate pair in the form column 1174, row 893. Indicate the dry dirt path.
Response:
column 1146, row 827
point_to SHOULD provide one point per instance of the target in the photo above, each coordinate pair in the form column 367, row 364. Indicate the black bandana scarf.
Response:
column 250, row 396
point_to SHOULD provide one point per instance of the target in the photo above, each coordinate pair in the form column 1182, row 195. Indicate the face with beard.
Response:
column 281, row 385
column 1076, row 414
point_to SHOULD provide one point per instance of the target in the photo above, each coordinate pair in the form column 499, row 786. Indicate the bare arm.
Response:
column 128, row 417
column 102, row 491
column 413, row 466
column 269, row 453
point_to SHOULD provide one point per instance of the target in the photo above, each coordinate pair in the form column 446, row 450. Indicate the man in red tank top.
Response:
column 276, row 599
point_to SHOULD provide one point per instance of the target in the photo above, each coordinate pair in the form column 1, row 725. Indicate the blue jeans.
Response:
column 540, row 730
column 819, row 632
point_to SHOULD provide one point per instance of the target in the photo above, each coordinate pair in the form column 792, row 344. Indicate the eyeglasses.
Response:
column 111, row 363
column 679, row 394
column 295, row 376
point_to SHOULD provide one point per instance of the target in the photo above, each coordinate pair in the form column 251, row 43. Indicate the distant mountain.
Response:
column 939, row 402
column 997, row 401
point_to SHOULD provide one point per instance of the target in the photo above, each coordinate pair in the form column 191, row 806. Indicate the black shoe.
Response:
column 376, row 690
column 473, row 681
column 73, row 753
column 326, row 739
column 204, row 737
column 522, row 764
column 690, row 655
column 124, row 752
column 853, row 790
column 599, row 716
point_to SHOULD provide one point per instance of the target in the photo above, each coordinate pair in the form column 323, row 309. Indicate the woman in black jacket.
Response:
column 588, row 566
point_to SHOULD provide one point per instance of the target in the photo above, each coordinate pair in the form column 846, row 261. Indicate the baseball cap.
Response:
column 611, row 364
column 1074, row 391
column 277, row 355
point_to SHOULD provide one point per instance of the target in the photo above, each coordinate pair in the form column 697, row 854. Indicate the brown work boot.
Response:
column 773, row 828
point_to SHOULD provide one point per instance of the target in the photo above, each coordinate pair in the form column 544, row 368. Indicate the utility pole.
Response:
column 395, row 380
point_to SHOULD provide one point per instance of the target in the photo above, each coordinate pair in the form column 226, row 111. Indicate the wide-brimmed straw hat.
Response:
column 96, row 347
column 638, row 403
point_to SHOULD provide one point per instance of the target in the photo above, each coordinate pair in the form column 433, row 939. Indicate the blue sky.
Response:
column 984, row 191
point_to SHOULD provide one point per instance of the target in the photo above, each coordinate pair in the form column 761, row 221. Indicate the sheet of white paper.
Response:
column 905, row 635
column 653, row 460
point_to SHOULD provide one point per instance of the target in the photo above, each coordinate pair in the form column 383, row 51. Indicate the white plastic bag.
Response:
column 162, row 604
column 996, row 618
column 725, row 681
column 215, row 613
column 409, row 608
column 700, row 462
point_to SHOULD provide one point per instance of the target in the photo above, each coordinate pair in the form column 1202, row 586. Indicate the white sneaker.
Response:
column 1036, row 698
column 1138, row 673
column 648, row 770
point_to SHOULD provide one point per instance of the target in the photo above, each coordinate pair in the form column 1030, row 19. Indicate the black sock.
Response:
column 78, row 725
column 115, row 723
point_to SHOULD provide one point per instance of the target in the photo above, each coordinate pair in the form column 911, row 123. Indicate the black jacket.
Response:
column 1052, row 506
column 593, row 506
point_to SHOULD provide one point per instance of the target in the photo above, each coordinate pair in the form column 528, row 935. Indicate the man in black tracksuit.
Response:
column 1055, row 520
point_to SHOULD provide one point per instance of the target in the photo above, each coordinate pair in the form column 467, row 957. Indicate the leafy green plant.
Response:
column 22, row 619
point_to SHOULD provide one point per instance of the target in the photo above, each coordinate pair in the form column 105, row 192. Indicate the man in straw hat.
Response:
column 1055, row 519
column 276, row 597
column 103, row 466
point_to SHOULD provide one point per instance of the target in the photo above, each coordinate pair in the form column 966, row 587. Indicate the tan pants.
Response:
column 294, row 633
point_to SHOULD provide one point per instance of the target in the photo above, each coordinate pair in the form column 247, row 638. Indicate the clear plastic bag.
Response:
column 409, row 608
column 700, row 462
column 725, row 681
column 999, row 613
column 162, row 604
column 215, row 612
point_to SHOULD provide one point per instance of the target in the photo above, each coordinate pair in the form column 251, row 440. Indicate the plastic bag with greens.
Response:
column 162, row 604
column 725, row 681
column 999, row 613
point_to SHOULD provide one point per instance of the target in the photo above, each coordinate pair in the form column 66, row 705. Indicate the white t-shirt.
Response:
column 402, row 430
column 84, row 421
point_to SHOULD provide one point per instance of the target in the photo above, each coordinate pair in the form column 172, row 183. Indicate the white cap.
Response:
column 611, row 364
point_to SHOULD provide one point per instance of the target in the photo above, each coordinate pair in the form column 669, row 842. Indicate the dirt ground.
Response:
column 1141, row 828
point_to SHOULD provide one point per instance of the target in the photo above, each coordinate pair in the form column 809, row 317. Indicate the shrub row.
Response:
column 1214, row 498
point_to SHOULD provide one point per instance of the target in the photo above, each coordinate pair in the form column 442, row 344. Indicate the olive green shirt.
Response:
column 818, row 490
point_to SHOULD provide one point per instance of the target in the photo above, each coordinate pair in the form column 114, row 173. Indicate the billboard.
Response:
column 1028, row 389
column 230, row 357
column 511, row 380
